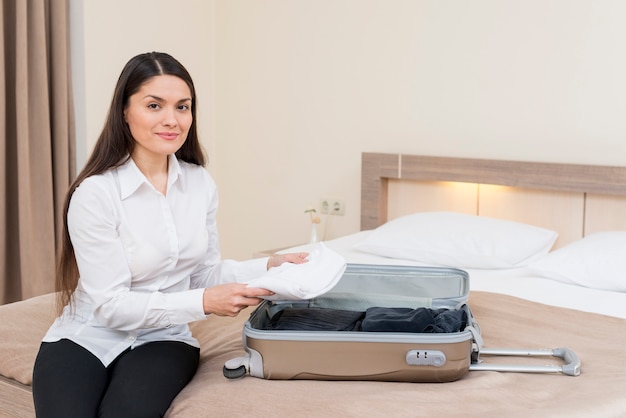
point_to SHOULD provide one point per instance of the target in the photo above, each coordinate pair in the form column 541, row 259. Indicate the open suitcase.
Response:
column 284, row 352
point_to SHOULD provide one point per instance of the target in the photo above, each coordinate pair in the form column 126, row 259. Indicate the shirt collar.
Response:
column 131, row 178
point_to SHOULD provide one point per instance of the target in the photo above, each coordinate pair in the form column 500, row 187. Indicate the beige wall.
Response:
column 292, row 91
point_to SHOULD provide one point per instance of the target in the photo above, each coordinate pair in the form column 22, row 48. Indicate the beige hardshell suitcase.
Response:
column 387, row 356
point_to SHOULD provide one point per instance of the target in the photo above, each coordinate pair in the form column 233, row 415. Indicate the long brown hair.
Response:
column 115, row 145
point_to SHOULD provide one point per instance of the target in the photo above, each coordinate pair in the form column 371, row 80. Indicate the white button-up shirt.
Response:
column 144, row 259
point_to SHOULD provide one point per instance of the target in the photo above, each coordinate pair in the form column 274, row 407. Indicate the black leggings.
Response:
column 69, row 381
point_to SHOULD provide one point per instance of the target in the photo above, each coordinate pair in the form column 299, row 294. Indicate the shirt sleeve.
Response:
column 93, row 221
column 213, row 270
column 228, row 271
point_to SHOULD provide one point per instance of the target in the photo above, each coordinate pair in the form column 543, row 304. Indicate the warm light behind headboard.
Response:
column 406, row 197
column 562, row 212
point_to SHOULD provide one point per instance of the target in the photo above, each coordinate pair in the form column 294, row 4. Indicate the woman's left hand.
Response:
column 278, row 259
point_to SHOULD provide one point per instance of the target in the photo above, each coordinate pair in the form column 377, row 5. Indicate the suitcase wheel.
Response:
column 236, row 373
column 236, row 368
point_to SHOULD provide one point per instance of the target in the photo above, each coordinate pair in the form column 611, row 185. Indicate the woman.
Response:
column 140, row 257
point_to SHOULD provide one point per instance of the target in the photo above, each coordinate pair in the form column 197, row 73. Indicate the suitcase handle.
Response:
column 570, row 368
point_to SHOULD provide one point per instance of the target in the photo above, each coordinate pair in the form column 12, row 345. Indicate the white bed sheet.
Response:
column 517, row 282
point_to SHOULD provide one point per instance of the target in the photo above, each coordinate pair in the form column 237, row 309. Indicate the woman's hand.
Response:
column 278, row 259
column 230, row 298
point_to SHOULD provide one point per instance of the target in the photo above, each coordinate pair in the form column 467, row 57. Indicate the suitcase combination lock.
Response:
column 425, row 358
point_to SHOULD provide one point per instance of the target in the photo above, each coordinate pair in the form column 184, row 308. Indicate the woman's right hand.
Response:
column 230, row 298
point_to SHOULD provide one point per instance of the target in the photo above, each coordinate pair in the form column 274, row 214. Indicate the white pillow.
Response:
column 459, row 240
column 597, row 261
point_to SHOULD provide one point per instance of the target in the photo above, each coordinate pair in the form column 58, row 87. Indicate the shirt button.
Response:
column 131, row 338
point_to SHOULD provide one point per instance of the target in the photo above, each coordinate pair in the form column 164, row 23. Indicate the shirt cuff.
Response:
column 250, row 269
column 185, row 307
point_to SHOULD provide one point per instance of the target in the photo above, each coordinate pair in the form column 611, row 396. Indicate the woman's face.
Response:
column 159, row 116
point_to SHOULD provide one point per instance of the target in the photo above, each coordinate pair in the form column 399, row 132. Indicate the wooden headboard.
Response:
column 573, row 199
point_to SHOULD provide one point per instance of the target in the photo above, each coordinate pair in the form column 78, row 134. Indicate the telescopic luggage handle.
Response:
column 570, row 368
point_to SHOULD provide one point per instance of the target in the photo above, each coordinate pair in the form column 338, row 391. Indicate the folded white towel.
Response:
column 303, row 281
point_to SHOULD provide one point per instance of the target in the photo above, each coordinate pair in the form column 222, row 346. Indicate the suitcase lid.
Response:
column 365, row 285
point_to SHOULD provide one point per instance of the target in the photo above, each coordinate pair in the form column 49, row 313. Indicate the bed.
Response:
column 543, row 244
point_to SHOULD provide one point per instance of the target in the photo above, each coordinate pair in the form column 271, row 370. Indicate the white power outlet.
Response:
column 333, row 206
